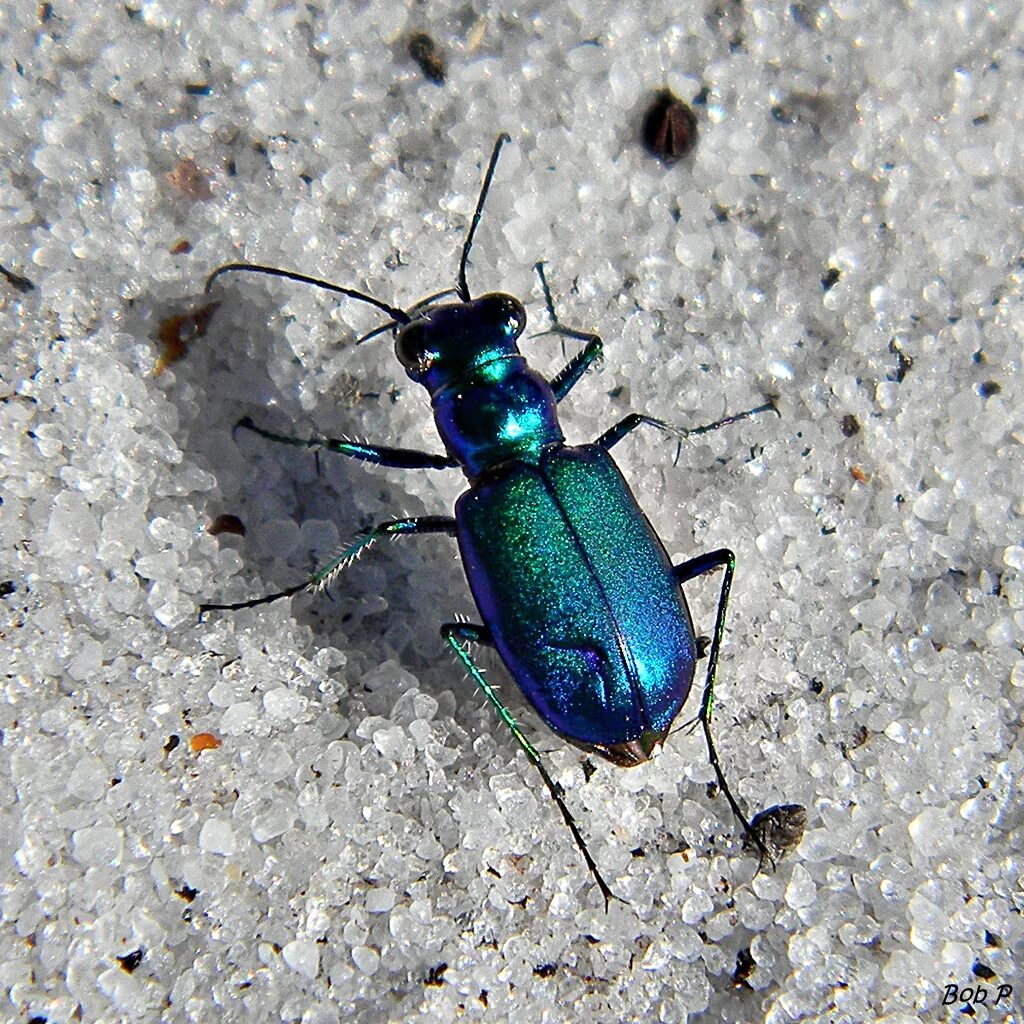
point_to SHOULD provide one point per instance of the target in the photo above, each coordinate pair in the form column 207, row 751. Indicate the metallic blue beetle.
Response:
column 574, row 587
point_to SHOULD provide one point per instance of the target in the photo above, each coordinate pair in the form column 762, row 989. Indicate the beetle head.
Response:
column 446, row 341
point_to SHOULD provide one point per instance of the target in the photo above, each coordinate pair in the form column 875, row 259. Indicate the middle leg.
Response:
column 326, row 575
column 381, row 455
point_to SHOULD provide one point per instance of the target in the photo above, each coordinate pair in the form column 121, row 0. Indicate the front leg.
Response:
column 566, row 379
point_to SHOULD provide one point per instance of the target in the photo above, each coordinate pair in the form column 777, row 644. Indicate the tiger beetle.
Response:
column 574, row 588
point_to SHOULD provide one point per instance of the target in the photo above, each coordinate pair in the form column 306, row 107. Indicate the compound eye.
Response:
column 411, row 348
column 506, row 312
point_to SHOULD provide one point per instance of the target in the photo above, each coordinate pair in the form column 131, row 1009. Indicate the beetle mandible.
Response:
column 574, row 587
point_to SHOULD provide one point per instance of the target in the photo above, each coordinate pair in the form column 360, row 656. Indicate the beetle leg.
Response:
column 615, row 434
column 396, row 458
column 565, row 380
column 456, row 632
column 691, row 569
column 325, row 575
column 468, row 631
column 723, row 558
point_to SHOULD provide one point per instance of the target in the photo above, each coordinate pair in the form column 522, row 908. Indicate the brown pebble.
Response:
column 669, row 128
column 424, row 51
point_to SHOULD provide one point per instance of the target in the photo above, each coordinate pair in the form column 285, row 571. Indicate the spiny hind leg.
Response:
column 723, row 558
column 458, row 636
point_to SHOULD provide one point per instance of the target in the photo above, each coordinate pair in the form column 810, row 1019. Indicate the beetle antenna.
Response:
column 431, row 299
column 463, row 286
column 383, row 329
column 398, row 315
column 413, row 310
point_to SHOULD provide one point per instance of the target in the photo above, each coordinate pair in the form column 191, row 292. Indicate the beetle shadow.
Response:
column 299, row 508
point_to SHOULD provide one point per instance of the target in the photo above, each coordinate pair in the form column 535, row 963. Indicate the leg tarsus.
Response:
column 254, row 602
column 549, row 302
column 453, row 632
column 566, row 379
